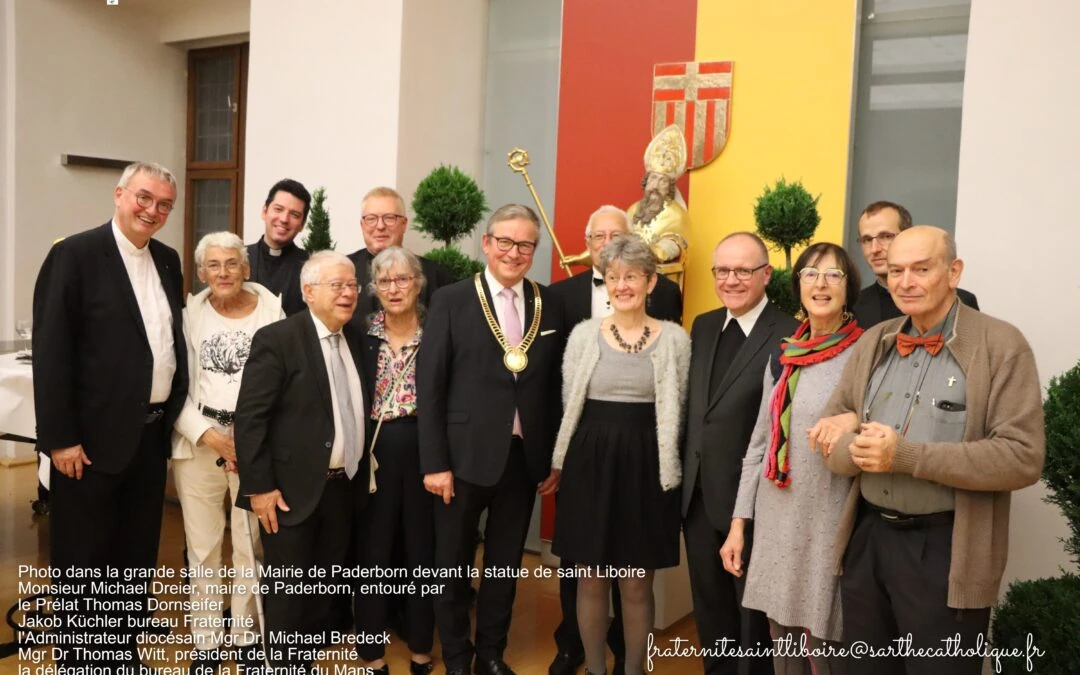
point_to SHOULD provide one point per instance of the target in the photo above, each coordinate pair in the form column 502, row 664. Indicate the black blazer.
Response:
column 575, row 293
column 468, row 397
column 285, row 418
column 93, row 367
column 282, row 276
column 875, row 304
column 719, row 427
column 437, row 276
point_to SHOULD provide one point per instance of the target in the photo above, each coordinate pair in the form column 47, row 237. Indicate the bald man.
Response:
column 938, row 417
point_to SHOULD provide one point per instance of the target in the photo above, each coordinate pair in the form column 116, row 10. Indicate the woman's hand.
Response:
column 223, row 445
column 731, row 551
column 551, row 484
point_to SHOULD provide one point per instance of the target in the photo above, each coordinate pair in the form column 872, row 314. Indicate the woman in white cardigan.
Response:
column 624, row 393
column 219, row 323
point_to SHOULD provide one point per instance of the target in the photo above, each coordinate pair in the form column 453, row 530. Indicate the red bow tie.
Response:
column 905, row 344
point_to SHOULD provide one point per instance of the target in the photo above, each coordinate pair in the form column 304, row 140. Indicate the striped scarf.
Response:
column 794, row 354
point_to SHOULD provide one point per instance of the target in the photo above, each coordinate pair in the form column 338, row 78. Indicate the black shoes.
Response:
column 492, row 667
column 421, row 668
column 565, row 664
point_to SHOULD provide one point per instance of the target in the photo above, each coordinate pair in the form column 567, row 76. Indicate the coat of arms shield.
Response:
column 697, row 97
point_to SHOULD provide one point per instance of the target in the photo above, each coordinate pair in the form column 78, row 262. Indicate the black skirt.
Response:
column 611, row 509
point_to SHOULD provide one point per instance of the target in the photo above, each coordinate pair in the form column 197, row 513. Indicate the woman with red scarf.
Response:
column 787, row 491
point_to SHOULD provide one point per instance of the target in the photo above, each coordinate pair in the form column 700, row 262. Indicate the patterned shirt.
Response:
column 387, row 372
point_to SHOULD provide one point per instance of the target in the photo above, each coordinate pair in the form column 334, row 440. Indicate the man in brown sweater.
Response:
column 938, row 416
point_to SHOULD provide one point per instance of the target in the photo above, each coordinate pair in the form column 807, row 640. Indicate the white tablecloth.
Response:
column 16, row 397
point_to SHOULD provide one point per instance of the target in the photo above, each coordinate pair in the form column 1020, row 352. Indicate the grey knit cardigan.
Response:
column 671, row 369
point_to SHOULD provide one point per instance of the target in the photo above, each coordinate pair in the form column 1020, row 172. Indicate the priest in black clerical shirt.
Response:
column 383, row 224
column 275, row 259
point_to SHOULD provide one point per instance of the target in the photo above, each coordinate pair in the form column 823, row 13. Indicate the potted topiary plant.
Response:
column 318, row 225
column 786, row 217
column 447, row 205
column 1045, row 613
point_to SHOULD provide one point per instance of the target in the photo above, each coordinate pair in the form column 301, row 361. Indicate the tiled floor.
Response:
column 24, row 541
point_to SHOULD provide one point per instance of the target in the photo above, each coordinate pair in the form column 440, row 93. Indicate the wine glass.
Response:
column 25, row 329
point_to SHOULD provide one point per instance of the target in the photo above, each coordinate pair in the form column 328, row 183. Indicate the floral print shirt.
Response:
column 389, row 366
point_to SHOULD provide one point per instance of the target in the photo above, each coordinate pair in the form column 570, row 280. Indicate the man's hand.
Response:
column 223, row 445
column 551, row 484
column 265, row 506
column 874, row 448
column 828, row 430
column 731, row 551
column 70, row 461
column 440, row 484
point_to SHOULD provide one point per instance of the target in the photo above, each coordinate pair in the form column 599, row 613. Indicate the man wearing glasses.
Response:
column 488, row 383
column 276, row 259
column 383, row 224
column 878, row 226
column 731, row 347
column 583, row 296
column 300, row 438
column 110, row 378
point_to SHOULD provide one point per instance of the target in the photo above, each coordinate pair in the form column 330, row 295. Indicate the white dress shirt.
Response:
column 155, row 311
column 337, row 450
column 601, row 302
column 747, row 320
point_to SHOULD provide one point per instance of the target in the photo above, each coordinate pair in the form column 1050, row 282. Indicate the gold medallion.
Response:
column 515, row 360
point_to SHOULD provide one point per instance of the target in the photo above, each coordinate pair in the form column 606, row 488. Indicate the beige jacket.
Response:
column 1003, row 447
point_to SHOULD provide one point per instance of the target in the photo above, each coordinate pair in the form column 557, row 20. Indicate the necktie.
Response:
column 905, row 344
column 511, row 328
column 350, row 441
column 597, row 281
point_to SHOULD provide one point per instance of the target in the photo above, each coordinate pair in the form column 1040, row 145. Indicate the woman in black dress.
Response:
column 624, row 393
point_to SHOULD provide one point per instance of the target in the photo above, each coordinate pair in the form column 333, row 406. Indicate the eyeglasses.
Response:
column 833, row 277
column 883, row 239
column 339, row 287
column 388, row 219
column 741, row 273
column 604, row 237
column 504, row 244
column 230, row 266
column 146, row 200
column 631, row 278
column 402, row 281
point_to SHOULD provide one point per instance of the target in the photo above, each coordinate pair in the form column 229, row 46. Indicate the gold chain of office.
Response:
column 514, row 357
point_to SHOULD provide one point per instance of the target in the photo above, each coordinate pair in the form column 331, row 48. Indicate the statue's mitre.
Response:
column 666, row 153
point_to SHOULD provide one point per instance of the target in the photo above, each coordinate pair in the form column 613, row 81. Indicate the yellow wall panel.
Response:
column 791, row 116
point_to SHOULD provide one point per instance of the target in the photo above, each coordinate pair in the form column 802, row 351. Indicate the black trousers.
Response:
column 509, row 504
column 398, row 516
column 718, row 610
column 895, row 583
column 109, row 521
column 319, row 542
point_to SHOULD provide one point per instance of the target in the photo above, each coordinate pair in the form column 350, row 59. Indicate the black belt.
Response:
column 224, row 417
column 154, row 413
column 908, row 521
column 334, row 474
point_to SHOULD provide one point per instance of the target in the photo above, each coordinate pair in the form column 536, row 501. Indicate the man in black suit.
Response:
column 878, row 226
column 731, row 347
column 488, row 379
column 300, row 437
column 584, row 296
column 276, row 259
column 110, row 378
column 383, row 224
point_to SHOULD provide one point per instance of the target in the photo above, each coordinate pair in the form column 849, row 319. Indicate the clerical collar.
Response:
column 749, row 318
column 125, row 244
column 274, row 252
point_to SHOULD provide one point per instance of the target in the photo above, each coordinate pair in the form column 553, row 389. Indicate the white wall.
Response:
column 123, row 97
column 1016, row 216
column 442, row 96
column 192, row 20
column 323, row 104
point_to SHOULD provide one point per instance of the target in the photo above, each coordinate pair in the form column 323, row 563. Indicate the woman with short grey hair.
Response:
column 219, row 323
column 400, row 509
column 617, row 451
